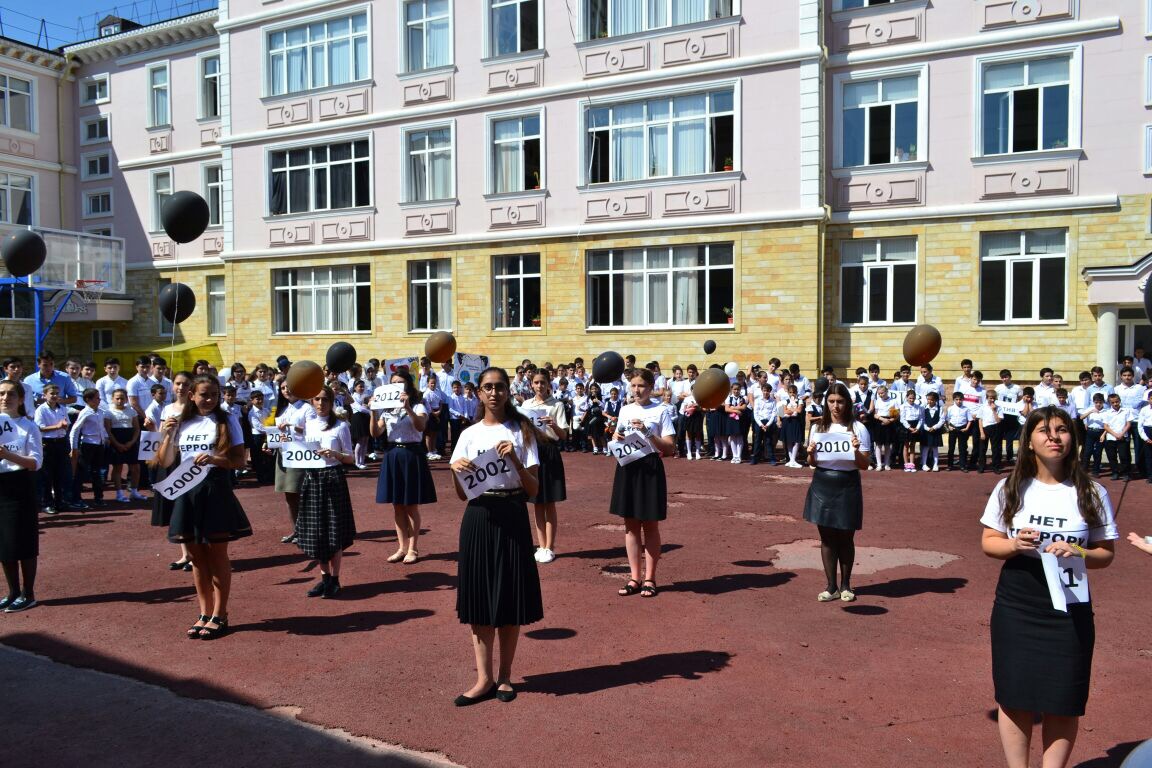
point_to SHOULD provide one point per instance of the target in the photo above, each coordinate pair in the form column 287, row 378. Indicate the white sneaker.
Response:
column 736, row 461
column 360, row 466
column 936, row 468
column 137, row 496
column 121, row 497
column 793, row 465
column 595, row 451
column 372, row 456
column 545, row 555
column 924, row 468
column 538, row 554
column 699, row 457
column 690, row 457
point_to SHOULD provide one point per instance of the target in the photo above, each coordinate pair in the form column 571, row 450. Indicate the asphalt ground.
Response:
column 734, row 663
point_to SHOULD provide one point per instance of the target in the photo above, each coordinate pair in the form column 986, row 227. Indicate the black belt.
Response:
column 55, row 439
column 504, row 493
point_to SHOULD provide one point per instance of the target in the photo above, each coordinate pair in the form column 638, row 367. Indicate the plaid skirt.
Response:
column 325, row 525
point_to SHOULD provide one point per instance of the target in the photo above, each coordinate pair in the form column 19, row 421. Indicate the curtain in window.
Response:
column 627, row 17
column 509, row 159
column 686, row 286
column 688, row 148
column 302, row 308
column 217, row 318
column 344, row 317
column 298, row 191
column 297, row 60
column 22, row 206
column 688, row 11
column 437, row 38
column 339, row 62
column 628, row 142
column 632, row 311
column 441, row 170
column 442, row 302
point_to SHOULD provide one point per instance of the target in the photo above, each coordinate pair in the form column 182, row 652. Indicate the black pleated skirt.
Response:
column 19, row 515
column 325, row 524
column 209, row 513
column 835, row 500
column 550, row 474
column 113, row 456
column 359, row 425
column 640, row 490
column 792, row 429
column 161, row 507
column 498, row 584
column 404, row 476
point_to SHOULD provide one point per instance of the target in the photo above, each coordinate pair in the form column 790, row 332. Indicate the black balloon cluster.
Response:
column 185, row 216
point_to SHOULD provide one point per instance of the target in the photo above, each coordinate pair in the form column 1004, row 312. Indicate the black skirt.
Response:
column 792, row 429
column 550, row 474
column 404, row 476
column 498, row 584
column 834, row 499
column 209, row 513
column 161, row 507
column 19, row 511
column 1041, row 657
column 694, row 425
column 325, row 524
column 123, row 435
column 359, row 426
column 640, row 490
column 930, row 439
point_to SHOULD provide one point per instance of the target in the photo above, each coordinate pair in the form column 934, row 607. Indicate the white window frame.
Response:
column 207, row 186
column 87, row 157
column 99, row 336
column 402, row 31
column 1075, row 54
column 154, row 120
column 89, row 195
column 304, row 22
column 1148, row 80
column 33, row 103
column 878, row 263
column 203, row 78
column 216, row 288
column 12, row 290
column 490, row 143
column 1022, row 257
column 95, row 80
column 520, row 277
column 85, row 122
column 647, row 25
column 155, row 205
column 839, row 81
column 1148, row 153
column 329, row 285
column 102, row 230
column 839, row 5
column 310, row 145
column 489, row 29
column 407, row 193
column 428, row 284
column 33, row 183
column 669, row 272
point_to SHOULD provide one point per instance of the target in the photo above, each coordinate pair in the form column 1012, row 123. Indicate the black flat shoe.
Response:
column 194, row 631
column 319, row 588
column 188, row 567
column 208, row 633
column 332, row 589
column 505, row 696
column 180, row 565
column 467, row 701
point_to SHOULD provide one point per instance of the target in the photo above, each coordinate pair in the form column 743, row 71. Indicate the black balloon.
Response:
column 340, row 357
column 24, row 252
column 177, row 302
column 709, row 347
column 185, row 216
column 608, row 367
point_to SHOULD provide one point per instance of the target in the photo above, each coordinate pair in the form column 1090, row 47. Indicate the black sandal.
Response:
column 208, row 633
column 194, row 631
column 631, row 588
column 649, row 589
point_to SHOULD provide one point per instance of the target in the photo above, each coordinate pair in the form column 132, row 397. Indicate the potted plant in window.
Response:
column 535, row 180
column 731, row 315
column 536, row 321
column 728, row 163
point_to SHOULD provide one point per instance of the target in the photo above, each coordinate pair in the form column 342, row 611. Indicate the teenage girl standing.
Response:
column 550, row 472
column 161, row 507
column 292, row 414
column 21, row 456
column 124, row 442
column 405, row 481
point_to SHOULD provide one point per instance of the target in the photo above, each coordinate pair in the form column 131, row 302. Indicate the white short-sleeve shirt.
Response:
column 481, row 437
column 338, row 438
column 656, row 417
column 843, row 465
column 198, row 435
column 1054, row 511
column 20, row 435
column 400, row 427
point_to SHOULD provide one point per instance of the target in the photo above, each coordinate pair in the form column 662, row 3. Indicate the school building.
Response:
column 547, row 179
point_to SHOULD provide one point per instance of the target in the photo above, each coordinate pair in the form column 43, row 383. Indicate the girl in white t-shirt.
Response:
column 123, row 442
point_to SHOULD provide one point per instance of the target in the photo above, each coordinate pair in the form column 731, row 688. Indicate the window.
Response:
column 97, row 202
column 515, row 26
column 15, row 198
column 668, row 136
column 214, row 193
column 94, row 130
column 110, row 29
column 101, row 231
column 516, row 291
column 430, row 164
column 878, row 281
column 94, row 90
column 685, row 285
column 516, row 154
column 217, row 315
column 102, row 338
column 322, row 299
column 846, row 4
column 880, row 121
column 161, row 191
column 427, row 34
column 317, row 55
column 158, row 112
column 1026, row 105
column 608, row 18
column 323, row 178
column 1022, row 275
column 210, row 86
column 15, row 103
column 16, row 303
column 97, row 165
column 430, row 295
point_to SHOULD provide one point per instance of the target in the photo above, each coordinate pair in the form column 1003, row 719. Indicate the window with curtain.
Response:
column 430, row 295
column 210, row 87
column 16, row 303
column 609, row 18
column 878, row 281
column 319, row 54
column 1023, row 275
column 16, row 198
column 514, row 26
column 427, row 38
column 677, row 135
column 327, row 177
column 321, row 299
column 678, row 286
column 217, row 306
column 430, row 165
column 214, row 193
column 158, row 96
column 1026, row 105
column 516, row 291
column 880, row 121
column 15, row 103
column 161, row 191
column 516, row 154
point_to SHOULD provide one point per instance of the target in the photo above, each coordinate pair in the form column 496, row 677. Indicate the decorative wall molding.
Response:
column 901, row 25
column 1028, row 180
column 625, row 205
column 687, row 202
column 346, row 230
column 615, row 59
column 289, row 114
column 163, row 249
column 291, row 234
column 213, row 244
column 522, row 75
column 880, row 190
column 335, row 105
column 209, row 135
column 160, row 142
column 437, row 89
column 999, row 13
column 430, row 222
column 701, row 46
column 21, row 148
column 516, row 213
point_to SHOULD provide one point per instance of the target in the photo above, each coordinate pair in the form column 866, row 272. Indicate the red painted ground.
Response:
column 734, row 663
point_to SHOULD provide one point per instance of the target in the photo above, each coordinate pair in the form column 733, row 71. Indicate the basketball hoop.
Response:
column 85, row 292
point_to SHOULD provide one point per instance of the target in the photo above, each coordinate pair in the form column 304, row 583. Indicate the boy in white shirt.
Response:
column 1143, row 430
column 1093, row 419
column 959, row 425
column 764, row 412
column 1116, row 424
column 110, row 381
column 86, row 441
column 989, row 427
column 1133, row 396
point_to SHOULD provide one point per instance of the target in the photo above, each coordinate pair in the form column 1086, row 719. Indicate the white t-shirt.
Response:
column 140, row 387
column 106, row 386
column 338, row 438
column 656, row 417
column 1054, row 511
column 481, row 437
column 46, row 415
column 123, row 419
column 862, row 435
column 296, row 415
column 20, row 435
column 198, row 435
column 555, row 410
column 400, row 427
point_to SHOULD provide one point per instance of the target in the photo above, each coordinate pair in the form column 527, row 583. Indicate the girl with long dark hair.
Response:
column 405, row 481
column 552, row 432
column 21, row 456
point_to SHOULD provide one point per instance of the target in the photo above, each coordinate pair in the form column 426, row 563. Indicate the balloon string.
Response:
column 176, row 305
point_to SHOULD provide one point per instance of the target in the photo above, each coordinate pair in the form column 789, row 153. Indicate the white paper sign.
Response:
column 634, row 446
column 149, row 442
column 834, row 446
column 490, row 470
column 466, row 368
column 387, row 397
column 184, row 478
column 391, row 366
column 302, row 455
column 1067, row 579
column 276, row 439
column 1008, row 409
column 535, row 415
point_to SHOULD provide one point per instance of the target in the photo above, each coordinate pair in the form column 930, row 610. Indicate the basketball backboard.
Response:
column 73, row 257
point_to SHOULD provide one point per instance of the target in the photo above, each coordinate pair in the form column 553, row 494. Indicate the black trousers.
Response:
column 1119, row 457
column 959, row 437
column 56, row 473
column 1093, row 447
column 89, row 466
column 764, row 441
column 991, row 438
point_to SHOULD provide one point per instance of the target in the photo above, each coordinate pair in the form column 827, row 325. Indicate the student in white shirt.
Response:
column 1093, row 419
column 1045, row 391
column 1133, row 396
column 1142, row 430
column 86, row 441
column 988, row 425
column 764, row 412
column 110, row 381
column 1116, row 425
column 123, row 443
column 885, row 425
column 21, row 456
column 911, row 414
column 959, row 425
column 405, row 481
column 292, row 414
column 140, row 386
column 52, row 419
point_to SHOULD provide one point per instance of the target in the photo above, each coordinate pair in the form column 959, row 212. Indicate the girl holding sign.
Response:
column 640, row 489
column 405, row 481
column 21, row 456
column 208, row 516
column 548, row 416
column 499, row 587
column 838, row 449
column 1041, row 654
column 326, row 526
